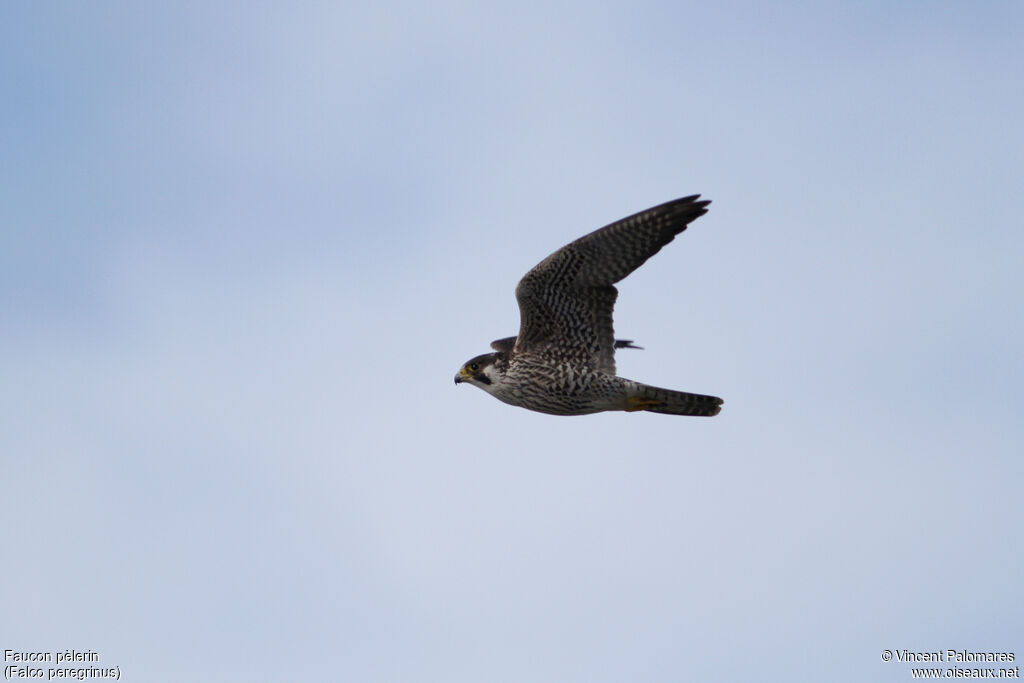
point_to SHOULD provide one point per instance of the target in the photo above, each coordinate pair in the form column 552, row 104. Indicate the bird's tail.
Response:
column 657, row 400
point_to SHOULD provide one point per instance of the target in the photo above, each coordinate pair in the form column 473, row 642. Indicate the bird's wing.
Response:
column 503, row 344
column 508, row 343
column 566, row 301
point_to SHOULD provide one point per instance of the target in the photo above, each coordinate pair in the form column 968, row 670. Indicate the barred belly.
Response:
column 561, row 389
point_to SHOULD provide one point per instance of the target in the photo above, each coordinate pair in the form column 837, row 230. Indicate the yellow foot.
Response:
column 635, row 403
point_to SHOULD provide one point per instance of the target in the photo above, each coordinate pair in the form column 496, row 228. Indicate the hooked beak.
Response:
column 461, row 376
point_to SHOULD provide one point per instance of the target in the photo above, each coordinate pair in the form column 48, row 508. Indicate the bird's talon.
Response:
column 635, row 403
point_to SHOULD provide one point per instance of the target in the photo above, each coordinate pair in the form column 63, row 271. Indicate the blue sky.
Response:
column 245, row 248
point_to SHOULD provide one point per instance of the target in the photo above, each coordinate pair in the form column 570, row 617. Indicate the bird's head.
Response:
column 484, row 371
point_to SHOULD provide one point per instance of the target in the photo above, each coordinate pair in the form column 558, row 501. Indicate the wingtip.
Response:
column 690, row 202
column 684, row 211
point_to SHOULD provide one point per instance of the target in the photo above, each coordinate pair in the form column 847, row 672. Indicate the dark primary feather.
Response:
column 507, row 343
column 566, row 301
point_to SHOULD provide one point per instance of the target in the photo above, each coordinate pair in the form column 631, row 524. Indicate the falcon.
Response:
column 562, row 362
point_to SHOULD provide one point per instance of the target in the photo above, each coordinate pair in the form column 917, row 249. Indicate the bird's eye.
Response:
column 474, row 366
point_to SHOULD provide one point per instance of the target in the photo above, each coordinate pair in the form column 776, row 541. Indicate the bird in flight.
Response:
column 563, row 360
